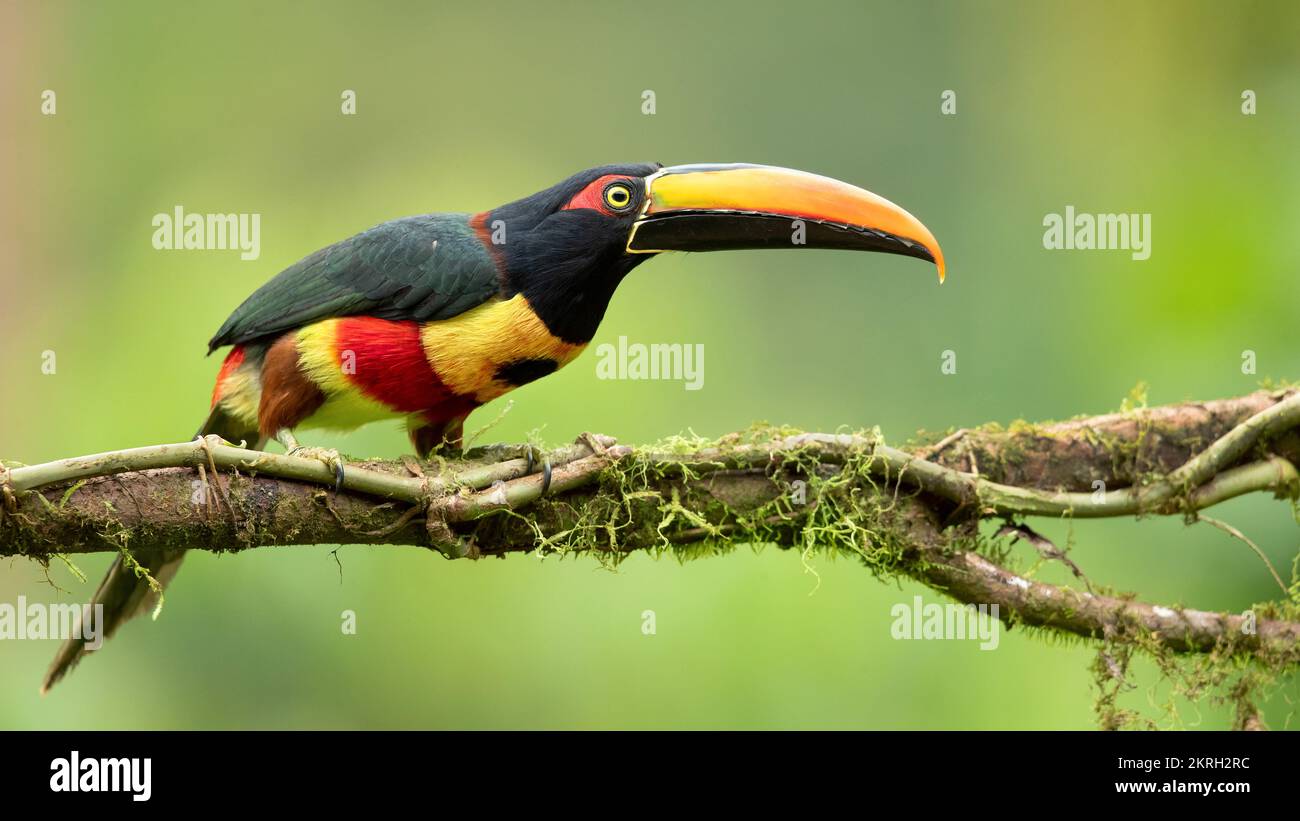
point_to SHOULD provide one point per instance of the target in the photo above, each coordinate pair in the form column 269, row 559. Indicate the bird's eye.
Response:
column 618, row 196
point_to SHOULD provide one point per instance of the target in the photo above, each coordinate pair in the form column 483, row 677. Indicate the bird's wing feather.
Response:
column 392, row 271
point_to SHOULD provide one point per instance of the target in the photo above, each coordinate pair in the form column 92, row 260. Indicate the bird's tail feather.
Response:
column 124, row 593
column 134, row 586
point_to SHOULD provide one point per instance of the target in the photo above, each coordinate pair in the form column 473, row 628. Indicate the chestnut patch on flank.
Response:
column 288, row 395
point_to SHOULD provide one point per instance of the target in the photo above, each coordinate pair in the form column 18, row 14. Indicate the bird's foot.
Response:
column 535, row 459
column 329, row 456
column 495, row 453
column 532, row 456
column 332, row 458
column 595, row 441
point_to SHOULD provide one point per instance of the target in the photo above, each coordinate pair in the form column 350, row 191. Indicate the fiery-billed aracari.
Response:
column 426, row 318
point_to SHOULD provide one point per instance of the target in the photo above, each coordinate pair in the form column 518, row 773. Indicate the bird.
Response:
column 425, row 318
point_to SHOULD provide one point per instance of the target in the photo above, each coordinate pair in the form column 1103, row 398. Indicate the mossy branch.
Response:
column 910, row 511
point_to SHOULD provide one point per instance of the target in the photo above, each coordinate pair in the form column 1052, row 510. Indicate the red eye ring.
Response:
column 596, row 196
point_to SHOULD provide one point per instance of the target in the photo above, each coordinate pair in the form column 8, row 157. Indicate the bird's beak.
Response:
column 723, row 207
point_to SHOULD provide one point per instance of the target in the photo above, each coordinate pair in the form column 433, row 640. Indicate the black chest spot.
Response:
column 523, row 371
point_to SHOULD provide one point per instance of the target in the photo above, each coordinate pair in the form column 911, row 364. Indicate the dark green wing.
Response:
column 393, row 271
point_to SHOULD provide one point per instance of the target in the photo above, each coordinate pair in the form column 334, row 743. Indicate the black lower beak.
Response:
column 713, row 231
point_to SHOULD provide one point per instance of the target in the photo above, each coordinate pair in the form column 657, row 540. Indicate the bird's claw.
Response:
column 531, row 456
column 330, row 457
column 593, row 441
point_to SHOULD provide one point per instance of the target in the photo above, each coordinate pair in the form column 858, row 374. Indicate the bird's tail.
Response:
column 124, row 593
column 134, row 586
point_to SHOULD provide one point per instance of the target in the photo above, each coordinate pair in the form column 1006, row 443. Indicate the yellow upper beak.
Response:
column 712, row 207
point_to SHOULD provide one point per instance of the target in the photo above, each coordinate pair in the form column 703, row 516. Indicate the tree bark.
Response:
column 910, row 511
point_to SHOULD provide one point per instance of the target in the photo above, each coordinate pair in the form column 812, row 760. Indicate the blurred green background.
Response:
column 1110, row 107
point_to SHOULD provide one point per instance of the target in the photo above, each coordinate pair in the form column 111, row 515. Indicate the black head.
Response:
column 565, row 248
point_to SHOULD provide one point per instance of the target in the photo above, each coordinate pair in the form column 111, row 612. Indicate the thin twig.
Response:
column 1237, row 534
